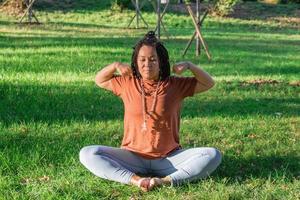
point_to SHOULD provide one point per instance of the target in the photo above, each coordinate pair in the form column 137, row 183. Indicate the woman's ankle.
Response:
column 135, row 179
column 142, row 182
column 167, row 180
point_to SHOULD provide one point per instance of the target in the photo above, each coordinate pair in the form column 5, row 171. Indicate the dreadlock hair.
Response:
column 162, row 53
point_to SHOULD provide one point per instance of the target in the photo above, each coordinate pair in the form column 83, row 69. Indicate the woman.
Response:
column 150, row 154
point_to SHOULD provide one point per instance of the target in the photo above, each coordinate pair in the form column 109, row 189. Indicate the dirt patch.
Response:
column 295, row 83
column 282, row 14
column 260, row 82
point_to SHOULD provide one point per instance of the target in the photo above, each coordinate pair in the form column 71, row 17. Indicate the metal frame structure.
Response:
column 197, row 24
column 197, row 21
column 29, row 12
column 160, row 16
column 157, row 7
column 138, row 13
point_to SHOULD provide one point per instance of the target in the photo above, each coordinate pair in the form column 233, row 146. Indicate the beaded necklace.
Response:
column 145, row 117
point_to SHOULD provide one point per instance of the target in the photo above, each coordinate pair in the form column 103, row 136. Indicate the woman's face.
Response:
column 147, row 61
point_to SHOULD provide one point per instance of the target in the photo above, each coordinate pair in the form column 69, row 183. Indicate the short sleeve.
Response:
column 117, row 83
column 185, row 86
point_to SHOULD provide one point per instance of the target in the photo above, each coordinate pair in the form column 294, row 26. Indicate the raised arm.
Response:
column 103, row 77
column 205, row 81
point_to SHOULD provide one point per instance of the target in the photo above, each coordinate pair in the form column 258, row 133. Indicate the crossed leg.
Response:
column 186, row 165
column 114, row 164
column 121, row 165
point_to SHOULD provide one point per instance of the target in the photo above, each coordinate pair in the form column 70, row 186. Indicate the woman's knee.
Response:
column 215, row 156
column 86, row 153
column 212, row 161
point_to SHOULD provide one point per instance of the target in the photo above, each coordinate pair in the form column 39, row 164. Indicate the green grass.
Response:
column 50, row 107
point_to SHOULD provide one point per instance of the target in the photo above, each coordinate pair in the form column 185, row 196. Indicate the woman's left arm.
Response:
column 204, row 80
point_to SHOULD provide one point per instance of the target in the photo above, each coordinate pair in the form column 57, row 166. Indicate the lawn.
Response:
column 50, row 106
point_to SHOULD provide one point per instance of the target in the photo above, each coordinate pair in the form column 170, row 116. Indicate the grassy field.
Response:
column 50, row 106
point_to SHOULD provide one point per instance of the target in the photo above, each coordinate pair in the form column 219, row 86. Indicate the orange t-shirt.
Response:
column 162, row 135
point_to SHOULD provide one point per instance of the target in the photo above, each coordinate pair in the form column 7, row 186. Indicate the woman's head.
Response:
column 150, row 59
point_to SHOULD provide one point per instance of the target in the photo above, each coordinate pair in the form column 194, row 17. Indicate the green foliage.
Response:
column 119, row 5
column 224, row 7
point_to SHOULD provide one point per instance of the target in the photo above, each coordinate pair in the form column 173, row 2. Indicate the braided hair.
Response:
column 162, row 53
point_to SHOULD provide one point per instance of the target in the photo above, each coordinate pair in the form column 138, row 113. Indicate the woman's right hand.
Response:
column 123, row 69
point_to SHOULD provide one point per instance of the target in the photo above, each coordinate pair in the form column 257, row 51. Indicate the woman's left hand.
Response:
column 180, row 67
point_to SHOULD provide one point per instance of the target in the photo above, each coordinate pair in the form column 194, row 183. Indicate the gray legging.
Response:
column 120, row 165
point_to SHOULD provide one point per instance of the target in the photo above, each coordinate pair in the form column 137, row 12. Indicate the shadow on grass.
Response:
column 27, row 151
column 5, row 23
column 84, row 101
column 246, row 106
column 232, row 52
column 272, row 166
column 38, row 103
column 63, row 27
column 43, row 151
column 68, row 5
column 78, row 26
column 82, row 6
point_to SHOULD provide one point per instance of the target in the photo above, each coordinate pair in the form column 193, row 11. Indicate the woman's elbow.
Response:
column 98, row 80
column 211, row 83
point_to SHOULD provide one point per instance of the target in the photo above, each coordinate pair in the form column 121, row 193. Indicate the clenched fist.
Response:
column 123, row 69
column 180, row 67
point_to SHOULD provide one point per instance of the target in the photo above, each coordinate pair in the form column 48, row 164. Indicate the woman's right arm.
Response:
column 103, row 77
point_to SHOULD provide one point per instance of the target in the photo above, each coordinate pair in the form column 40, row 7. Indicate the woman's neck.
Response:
column 150, row 80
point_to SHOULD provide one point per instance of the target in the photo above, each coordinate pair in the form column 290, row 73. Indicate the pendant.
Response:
column 144, row 127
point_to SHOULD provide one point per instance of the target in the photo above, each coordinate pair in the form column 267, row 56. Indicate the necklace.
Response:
column 144, row 125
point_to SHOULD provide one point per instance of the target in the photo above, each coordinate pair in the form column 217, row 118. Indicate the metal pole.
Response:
column 158, row 19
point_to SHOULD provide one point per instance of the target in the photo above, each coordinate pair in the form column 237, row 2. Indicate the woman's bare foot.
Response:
column 146, row 184
column 143, row 183
column 157, row 182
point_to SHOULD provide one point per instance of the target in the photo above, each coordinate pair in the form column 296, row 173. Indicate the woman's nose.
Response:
column 148, row 63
